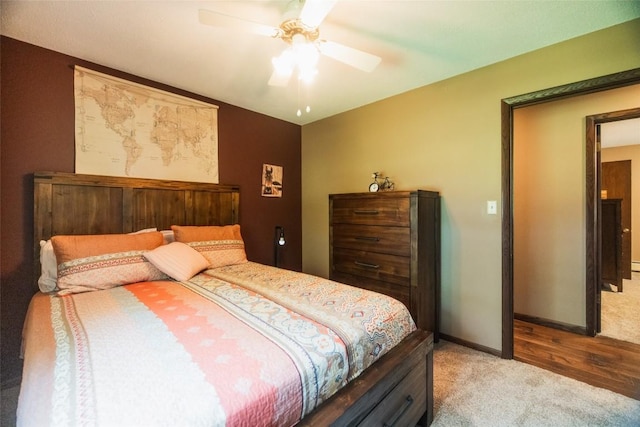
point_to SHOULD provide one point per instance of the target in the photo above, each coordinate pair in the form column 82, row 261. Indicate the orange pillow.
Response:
column 220, row 245
column 103, row 261
column 194, row 233
column 82, row 246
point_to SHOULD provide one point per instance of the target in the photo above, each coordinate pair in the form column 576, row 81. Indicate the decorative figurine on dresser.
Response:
column 389, row 242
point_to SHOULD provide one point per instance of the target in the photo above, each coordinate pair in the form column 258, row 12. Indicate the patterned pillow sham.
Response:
column 94, row 262
column 48, row 280
column 220, row 245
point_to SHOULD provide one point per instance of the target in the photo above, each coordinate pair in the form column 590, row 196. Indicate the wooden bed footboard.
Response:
column 396, row 391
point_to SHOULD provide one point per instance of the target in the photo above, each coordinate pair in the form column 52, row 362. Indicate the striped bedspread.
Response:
column 241, row 345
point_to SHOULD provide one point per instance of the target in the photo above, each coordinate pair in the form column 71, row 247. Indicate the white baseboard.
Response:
column 635, row 266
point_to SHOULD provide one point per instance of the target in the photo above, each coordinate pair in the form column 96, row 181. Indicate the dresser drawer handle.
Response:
column 366, row 264
column 368, row 239
column 404, row 408
column 366, row 212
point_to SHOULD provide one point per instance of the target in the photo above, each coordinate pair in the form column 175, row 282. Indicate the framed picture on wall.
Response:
column 271, row 180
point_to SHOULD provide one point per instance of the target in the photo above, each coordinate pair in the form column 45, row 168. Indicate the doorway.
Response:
column 620, row 161
column 620, row 190
column 508, row 106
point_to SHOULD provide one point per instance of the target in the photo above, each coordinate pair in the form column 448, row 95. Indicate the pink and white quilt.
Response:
column 239, row 345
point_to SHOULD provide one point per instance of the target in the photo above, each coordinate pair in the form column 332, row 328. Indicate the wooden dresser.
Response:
column 389, row 242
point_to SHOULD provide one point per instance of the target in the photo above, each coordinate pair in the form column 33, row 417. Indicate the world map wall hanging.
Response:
column 127, row 129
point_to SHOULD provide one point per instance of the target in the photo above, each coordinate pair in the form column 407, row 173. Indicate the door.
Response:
column 611, row 242
column 616, row 181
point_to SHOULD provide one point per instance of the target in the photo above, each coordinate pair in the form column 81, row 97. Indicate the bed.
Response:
column 214, row 339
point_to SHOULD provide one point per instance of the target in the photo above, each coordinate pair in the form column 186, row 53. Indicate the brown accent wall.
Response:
column 37, row 134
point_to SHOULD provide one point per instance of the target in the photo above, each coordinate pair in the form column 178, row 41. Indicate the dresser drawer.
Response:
column 371, row 211
column 385, row 267
column 372, row 238
column 405, row 404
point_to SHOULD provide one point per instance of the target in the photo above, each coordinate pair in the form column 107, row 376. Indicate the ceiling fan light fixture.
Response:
column 306, row 58
column 301, row 55
column 306, row 54
column 300, row 31
column 307, row 74
column 285, row 63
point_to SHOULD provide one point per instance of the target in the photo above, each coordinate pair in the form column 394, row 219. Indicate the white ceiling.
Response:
column 420, row 42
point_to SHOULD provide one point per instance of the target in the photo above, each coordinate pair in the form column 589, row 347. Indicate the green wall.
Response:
column 446, row 137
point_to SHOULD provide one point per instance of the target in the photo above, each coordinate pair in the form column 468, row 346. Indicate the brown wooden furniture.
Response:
column 392, row 392
column 611, row 238
column 617, row 183
column 398, row 387
column 389, row 242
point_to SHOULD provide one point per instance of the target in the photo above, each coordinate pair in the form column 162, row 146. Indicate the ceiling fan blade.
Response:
column 314, row 11
column 356, row 58
column 221, row 20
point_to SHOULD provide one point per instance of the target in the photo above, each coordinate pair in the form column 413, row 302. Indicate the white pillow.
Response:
column 144, row 230
column 48, row 267
column 168, row 236
column 177, row 260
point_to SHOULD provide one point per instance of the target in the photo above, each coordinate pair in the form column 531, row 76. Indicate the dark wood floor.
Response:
column 599, row 361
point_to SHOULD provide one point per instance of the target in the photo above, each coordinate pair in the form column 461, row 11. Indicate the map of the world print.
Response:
column 127, row 129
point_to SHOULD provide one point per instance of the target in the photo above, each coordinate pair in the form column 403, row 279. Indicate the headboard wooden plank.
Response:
column 67, row 203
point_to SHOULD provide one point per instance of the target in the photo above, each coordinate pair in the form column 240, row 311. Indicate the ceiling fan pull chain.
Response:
column 299, row 112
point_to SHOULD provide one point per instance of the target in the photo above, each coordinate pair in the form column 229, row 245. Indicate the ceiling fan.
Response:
column 299, row 30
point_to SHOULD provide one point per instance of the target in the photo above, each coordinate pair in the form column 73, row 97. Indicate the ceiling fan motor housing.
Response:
column 293, row 27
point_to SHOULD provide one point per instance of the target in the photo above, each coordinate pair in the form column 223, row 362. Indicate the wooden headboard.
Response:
column 67, row 203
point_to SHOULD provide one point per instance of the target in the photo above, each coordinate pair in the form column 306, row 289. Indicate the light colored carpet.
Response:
column 472, row 388
column 621, row 311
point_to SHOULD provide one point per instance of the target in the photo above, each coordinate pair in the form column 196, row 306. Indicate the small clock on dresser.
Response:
column 374, row 186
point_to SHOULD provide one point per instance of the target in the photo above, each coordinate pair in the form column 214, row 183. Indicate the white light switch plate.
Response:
column 492, row 207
